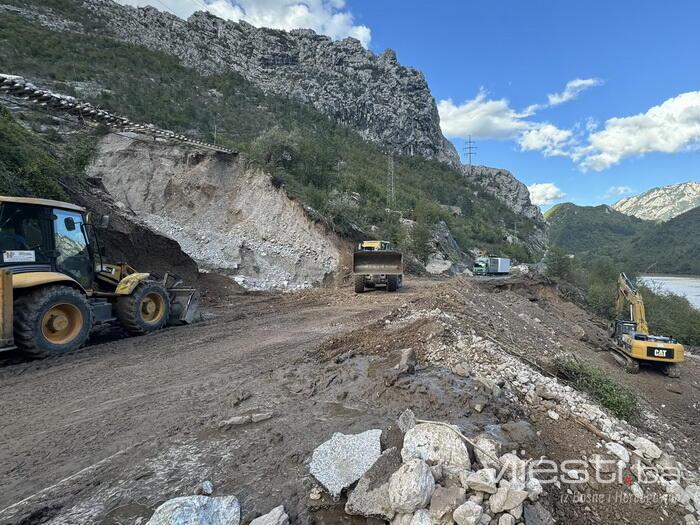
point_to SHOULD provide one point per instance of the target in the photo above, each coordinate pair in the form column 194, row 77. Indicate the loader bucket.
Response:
column 377, row 262
column 184, row 306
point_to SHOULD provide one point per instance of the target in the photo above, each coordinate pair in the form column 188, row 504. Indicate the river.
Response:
column 681, row 285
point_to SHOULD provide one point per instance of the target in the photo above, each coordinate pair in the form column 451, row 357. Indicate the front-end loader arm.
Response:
column 6, row 297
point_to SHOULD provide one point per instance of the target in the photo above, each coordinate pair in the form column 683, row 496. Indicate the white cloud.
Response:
column 327, row 17
column 547, row 138
column 618, row 191
column 670, row 127
column 544, row 193
column 572, row 90
column 481, row 117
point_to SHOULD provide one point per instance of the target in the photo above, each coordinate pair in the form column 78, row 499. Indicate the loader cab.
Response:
column 43, row 235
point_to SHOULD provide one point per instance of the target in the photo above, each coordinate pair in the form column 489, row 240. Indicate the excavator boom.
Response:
column 627, row 292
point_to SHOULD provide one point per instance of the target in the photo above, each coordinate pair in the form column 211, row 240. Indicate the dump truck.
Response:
column 376, row 264
column 55, row 286
column 491, row 266
column 632, row 342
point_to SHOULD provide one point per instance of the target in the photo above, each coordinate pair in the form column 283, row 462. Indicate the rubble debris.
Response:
column 468, row 513
column 194, row 510
column 343, row 459
column 276, row 516
column 370, row 497
column 411, row 487
column 205, row 488
column 436, row 444
column 445, row 501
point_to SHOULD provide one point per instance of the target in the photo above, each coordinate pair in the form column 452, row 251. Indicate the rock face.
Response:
column 503, row 185
column 196, row 510
column 384, row 101
column 224, row 214
column 661, row 204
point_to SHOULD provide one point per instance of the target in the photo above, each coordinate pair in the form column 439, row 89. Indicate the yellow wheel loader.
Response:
column 632, row 342
column 376, row 263
column 55, row 287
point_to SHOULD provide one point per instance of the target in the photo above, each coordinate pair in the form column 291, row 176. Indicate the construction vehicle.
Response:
column 632, row 342
column 489, row 265
column 55, row 287
column 376, row 263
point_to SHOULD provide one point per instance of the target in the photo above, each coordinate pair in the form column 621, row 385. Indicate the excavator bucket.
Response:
column 377, row 262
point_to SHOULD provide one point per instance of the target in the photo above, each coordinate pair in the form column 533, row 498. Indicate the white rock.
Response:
column 444, row 502
column 506, row 519
column 689, row 519
column 486, row 450
column 483, row 480
column 637, row 490
column 370, row 497
column 553, row 415
column 506, row 499
column 411, row 487
column 469, row 513
column 513, row 467
column 402, row 519
column 676, row 491
column 646, row 448
column 421, row 517
column 618, row 450
column 694, row 492
column 343, row 459
column 436, row 444
column 195, row 510
column 276, row 516
column 534, row 489
column 517, row 512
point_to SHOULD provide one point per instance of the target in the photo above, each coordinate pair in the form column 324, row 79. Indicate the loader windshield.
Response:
column 72, row 255
column 25, row 235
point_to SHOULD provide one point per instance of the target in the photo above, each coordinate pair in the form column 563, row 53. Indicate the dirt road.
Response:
column 137, row 420
column 108, row 433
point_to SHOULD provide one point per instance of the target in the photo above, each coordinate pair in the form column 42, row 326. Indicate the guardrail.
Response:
column 20, row 88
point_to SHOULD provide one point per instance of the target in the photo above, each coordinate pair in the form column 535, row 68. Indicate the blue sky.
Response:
column 642, row 52
column 587, row 101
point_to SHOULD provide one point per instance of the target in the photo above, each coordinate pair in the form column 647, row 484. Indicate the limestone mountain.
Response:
column 387, row 103
column 662, row 204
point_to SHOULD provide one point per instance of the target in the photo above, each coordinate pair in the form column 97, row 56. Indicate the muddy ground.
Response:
column 106, row 434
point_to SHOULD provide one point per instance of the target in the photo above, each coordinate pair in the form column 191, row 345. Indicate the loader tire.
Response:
column 392, row 283
column 359, row 283
column 52, row 320
column 146, row 310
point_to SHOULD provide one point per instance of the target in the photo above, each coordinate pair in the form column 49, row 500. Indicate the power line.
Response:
column 469, row 152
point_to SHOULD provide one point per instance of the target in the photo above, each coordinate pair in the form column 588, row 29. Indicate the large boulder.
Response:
column 198, row 510
column 276, row 516
column 436, row 445
column 411, row 487
column 371, row 495
column 343, row 459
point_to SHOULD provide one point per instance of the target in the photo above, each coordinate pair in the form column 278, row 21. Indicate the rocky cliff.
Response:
column 503, row 185
column 386, row 102
column 662, row 204
column 225, row 214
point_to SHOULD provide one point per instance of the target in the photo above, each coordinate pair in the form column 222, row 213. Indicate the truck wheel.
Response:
column 52, row 320
column 146, row 310
column 392, row 283
column 359, row 283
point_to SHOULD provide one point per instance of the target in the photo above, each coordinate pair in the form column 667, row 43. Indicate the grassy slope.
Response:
column 317, row 161
column 640, row 246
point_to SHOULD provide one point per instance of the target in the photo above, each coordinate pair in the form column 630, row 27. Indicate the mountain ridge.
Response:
column 662, row 203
